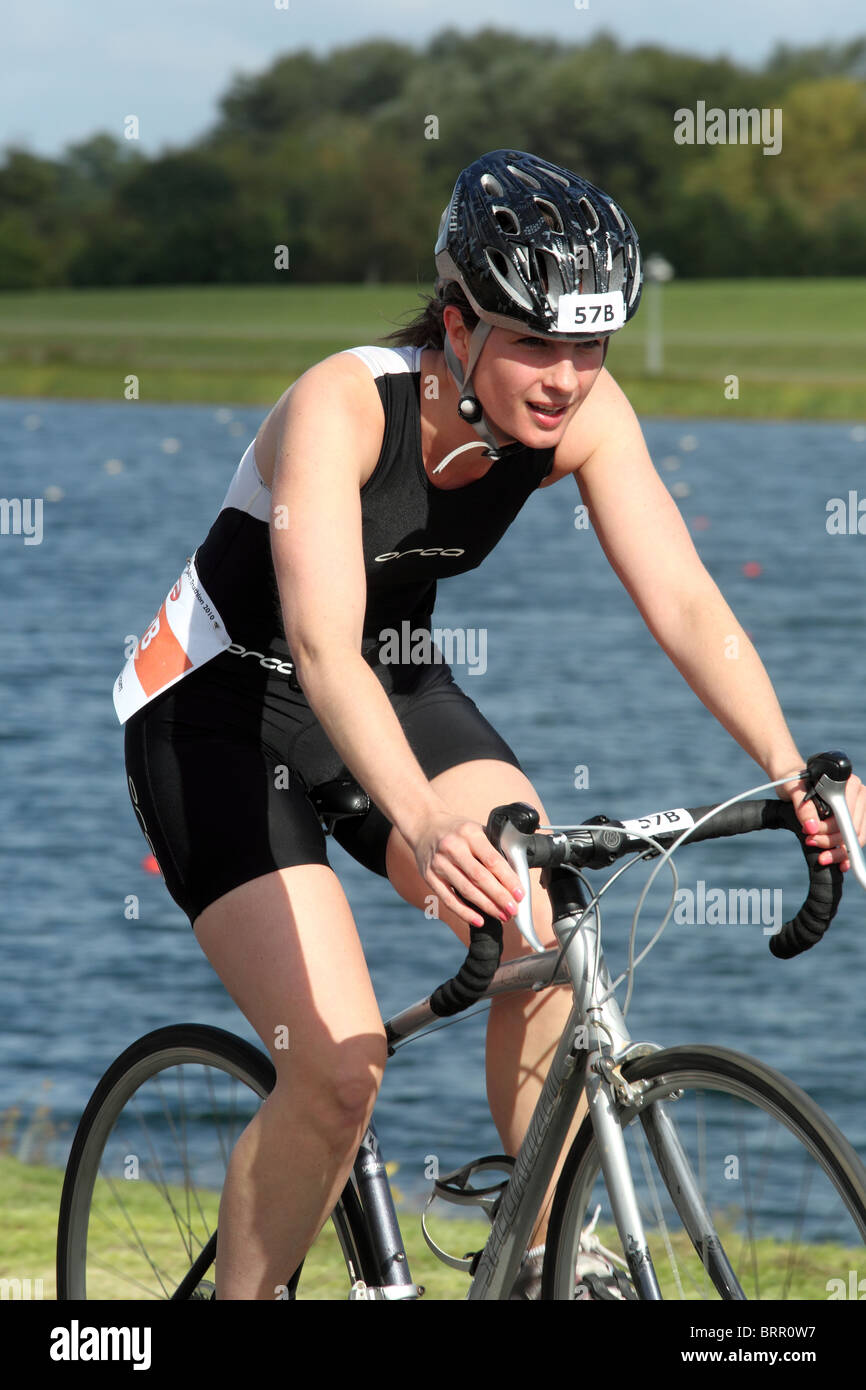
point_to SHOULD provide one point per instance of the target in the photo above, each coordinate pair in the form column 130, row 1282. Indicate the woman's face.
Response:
column 529, row 386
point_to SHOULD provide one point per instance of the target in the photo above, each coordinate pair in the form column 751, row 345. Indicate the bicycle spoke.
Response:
column 798, row 1212
column 176, row 1101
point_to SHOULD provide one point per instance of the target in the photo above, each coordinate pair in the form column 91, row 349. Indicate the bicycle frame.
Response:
column 593, row 1045
column 596, row 1037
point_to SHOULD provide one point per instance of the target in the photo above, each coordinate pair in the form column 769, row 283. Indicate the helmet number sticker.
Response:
column 590, row 313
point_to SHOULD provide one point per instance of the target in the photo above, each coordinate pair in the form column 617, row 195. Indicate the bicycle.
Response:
column 655, row 1135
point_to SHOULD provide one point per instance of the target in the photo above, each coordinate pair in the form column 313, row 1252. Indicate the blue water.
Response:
column 572, row 679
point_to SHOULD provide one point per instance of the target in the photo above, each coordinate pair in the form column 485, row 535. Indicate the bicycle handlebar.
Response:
column 798, row 934
column 511, row 830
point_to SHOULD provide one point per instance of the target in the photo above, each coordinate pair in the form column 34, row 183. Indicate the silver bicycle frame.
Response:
column 592, row 1049
column 594, row 1044
column 594, row 1035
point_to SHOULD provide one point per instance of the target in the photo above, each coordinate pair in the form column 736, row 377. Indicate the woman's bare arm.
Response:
column 330, row 437
column 648, row 545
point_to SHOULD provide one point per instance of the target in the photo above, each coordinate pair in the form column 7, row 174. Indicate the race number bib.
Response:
column 660, row 822
column 186, row 632
column 590, row 313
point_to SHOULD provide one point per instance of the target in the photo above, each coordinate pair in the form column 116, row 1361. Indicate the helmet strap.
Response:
column 469, row 407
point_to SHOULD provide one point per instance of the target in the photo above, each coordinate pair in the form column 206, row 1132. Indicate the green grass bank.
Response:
column 757, row 349
column 30, row 1201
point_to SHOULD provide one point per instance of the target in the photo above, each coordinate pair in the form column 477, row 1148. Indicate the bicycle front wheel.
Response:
column 719, row 1144
column 138, row 1212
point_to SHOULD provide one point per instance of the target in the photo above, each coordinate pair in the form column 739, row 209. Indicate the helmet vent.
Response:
column 506, row 220
column 507, row 277
column 550, row 274
column 618, row 215
column 492, row 186
column 553, row 174
column 523, row 176
column 636, row 278
column 589, row 212
column 550, row 213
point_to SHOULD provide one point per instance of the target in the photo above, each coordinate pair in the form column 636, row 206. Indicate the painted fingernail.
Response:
column 811, row 825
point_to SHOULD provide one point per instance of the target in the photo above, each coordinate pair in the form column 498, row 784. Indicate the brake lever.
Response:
column 828, row 773
column 509, row 829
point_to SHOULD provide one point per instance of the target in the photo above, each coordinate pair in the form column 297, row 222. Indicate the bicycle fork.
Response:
column 617, row 1177
column 596, row 1034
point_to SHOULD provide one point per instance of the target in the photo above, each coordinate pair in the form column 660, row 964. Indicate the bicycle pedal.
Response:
column 613, row 1288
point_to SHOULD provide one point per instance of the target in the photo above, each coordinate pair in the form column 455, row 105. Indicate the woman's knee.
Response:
column 332, row 1091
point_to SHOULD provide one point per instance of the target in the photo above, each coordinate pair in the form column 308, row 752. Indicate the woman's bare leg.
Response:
column 523, row 1030
column 287, row 950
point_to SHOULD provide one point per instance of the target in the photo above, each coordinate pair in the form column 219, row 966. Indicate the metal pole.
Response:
column 654, row 338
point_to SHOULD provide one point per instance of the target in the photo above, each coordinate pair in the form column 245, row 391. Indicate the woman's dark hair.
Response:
column 427, row 328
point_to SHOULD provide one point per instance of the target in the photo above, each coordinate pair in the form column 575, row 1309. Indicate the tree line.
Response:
column 345, row 160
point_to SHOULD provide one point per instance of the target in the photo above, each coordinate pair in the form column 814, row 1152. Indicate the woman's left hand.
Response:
column 825, row 834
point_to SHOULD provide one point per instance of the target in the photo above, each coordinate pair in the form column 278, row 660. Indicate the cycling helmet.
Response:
column 534, row 247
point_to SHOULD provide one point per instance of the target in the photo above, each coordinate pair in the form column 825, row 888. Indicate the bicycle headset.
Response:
column 524, row 239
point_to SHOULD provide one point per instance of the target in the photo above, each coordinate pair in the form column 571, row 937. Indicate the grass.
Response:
column 30, row 1200
column 797, row 347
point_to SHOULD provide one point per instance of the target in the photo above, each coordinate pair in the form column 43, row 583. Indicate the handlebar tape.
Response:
column 807, row 927
column 475, row 974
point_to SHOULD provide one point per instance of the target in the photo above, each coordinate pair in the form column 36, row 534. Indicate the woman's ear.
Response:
column 459, row 334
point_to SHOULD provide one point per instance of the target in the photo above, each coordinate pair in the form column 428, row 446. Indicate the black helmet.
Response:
column 527, row 241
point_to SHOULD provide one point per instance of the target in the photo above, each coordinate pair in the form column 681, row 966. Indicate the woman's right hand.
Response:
column 454, row 855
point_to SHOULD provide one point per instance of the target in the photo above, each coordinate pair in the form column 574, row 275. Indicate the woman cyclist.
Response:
column 380, row 471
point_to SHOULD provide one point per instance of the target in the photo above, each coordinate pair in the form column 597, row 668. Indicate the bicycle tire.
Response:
column 197, row 1060
column 835, row 1236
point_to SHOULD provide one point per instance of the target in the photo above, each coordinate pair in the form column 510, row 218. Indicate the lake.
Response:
column 601, row 719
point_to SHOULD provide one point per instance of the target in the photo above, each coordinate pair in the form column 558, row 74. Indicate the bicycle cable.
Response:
column 593, row 906
column 437, row 1027
column 665, row 858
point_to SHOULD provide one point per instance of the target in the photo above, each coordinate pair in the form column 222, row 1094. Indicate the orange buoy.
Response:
column 751, row 569
column 150, row 865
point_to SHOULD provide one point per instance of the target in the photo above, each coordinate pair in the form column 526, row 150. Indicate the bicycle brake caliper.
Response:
column 623, row 1090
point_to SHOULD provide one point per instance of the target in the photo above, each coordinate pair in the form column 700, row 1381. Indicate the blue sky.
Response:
column 69, row 68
